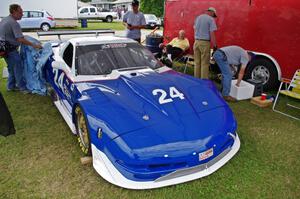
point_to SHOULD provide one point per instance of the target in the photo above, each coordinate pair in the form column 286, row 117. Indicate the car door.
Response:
column 34, row 19
column 24, row 22
column 84, row 13
column 93, row 12
column 63, row 84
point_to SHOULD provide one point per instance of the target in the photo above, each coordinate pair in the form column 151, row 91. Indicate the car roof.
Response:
column 87, row 7
column 101, row 39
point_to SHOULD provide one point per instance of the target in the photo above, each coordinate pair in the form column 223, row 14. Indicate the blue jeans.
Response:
column 15, row 71
column 221, row 60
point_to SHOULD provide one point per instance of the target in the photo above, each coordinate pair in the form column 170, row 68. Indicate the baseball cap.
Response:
column 212, row 9
column 135, row 3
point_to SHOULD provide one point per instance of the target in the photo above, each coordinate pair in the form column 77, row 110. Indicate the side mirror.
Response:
column 58, row 65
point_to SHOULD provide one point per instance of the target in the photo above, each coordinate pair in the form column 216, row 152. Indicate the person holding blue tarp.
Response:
column 11, row 37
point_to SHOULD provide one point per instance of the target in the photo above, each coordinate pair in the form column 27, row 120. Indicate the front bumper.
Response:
column 107, row 170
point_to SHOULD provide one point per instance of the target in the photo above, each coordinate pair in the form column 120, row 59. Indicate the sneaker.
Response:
column 229, row 99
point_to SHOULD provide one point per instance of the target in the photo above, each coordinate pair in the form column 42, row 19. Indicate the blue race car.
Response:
column 145, row 125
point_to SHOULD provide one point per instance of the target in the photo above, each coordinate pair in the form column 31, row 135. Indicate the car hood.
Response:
column 151, row 21
column 128, row 103
column 212, row 129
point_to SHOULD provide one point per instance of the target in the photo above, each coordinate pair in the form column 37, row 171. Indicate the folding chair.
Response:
column 292, row 90
column 189, row 59
column 170, row 62
column 185, row 58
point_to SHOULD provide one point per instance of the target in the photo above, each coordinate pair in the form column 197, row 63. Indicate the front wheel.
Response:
column 82, row 132
column 263, row 70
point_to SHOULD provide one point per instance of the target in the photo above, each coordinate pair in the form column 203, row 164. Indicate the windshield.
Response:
column 151, row 17
column 102, row 59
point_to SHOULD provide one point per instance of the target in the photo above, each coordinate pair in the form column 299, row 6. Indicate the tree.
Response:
column 152, row 7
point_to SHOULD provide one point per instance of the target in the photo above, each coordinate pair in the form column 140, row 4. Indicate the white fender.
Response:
column 273, row 60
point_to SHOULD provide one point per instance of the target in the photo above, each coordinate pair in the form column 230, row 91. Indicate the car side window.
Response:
column 33, row 14
column 68, row 55
column 84, row 10
column 25, row 14
column 92, row 10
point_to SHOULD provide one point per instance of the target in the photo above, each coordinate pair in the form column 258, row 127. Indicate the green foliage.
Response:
column 96, row 25
column 152, row 7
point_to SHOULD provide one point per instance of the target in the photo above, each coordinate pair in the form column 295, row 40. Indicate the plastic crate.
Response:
column 244, row 91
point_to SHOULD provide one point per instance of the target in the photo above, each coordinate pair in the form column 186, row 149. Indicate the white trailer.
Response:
column 64, row 11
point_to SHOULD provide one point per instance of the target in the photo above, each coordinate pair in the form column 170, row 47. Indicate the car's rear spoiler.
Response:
column 76, row 32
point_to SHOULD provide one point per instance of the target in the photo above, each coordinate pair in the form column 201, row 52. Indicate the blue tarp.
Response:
column 34, row 61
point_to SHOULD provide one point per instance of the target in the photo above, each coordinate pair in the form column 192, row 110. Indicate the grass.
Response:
column 98, row 24
column 42, row 159
column 92, row 25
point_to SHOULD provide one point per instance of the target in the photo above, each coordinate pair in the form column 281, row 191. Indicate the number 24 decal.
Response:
column 58, row 80
column 174, row 93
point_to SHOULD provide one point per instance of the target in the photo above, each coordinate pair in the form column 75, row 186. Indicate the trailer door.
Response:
column 174, row 18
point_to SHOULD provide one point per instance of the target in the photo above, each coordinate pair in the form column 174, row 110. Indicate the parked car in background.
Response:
column 39, row 19
column 152, row 21
column 161, row 21
column 91, row 12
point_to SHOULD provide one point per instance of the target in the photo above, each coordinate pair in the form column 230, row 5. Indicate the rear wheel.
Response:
column 263, row 70
column 109, row 19
column 45, row 27
column 82, row 131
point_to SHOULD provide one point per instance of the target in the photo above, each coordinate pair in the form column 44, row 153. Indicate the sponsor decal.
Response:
column 206, row 154
column 105, row 46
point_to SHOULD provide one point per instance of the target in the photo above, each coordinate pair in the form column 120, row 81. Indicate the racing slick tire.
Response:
column 82, row 131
